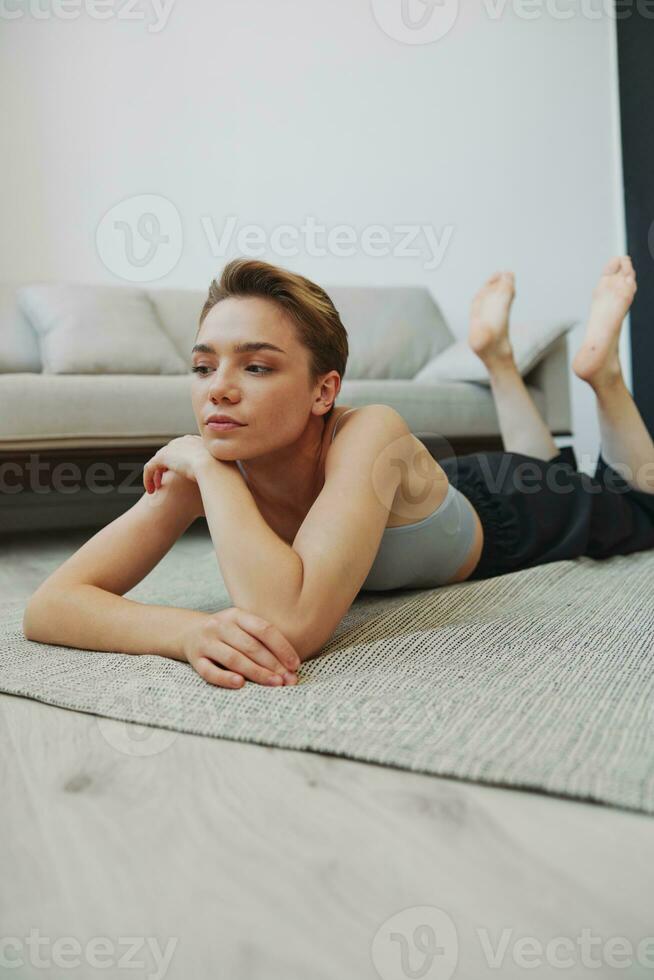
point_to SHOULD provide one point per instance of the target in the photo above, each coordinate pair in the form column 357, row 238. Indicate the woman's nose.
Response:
column 220, row 384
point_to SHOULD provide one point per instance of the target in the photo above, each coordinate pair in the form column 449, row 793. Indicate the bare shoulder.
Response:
column 380, row 445
column 376, row 411
column 365, row 428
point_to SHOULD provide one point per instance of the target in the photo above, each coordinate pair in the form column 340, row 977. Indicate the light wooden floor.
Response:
column 268, row 863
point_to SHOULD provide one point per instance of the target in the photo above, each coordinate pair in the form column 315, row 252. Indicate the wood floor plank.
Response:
column 284, row 864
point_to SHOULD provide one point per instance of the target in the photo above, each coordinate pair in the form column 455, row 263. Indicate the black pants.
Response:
column 535, row 511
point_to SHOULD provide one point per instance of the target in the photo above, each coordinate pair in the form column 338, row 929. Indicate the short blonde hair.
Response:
column 316, row 318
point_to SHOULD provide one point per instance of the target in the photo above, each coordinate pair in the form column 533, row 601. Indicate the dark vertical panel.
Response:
column 636, row 71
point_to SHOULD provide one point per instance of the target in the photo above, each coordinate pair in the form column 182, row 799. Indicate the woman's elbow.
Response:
column 29, row 622
column 31, row 619
column 38, row 615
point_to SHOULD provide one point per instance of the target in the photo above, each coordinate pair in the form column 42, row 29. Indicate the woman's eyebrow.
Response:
column 242, row 348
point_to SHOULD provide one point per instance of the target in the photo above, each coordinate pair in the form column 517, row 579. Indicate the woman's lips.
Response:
column 224, row 426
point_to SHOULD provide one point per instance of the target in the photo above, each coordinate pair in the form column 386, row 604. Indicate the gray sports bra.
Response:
column 425, row 554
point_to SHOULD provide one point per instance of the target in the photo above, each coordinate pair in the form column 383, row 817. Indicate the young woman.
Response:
column 307, row 504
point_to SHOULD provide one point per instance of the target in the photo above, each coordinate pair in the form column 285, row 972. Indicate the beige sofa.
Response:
column 75, row 398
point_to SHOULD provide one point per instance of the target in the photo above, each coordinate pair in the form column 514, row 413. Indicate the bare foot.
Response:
column 597, row 361
column 489, row 318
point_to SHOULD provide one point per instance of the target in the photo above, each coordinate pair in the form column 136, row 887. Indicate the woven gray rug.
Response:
column 541, row 680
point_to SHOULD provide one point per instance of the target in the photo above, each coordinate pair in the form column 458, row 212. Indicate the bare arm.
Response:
column 81, row 604
column 92, row 619
column 263, row 573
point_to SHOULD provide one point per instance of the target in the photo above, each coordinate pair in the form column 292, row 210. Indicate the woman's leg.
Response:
column 521, row 424
column 626, row 445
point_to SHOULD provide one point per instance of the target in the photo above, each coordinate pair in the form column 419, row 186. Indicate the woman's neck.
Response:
column 293, row 479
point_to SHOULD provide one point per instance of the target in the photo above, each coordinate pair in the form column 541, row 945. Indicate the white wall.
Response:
column 503, row 130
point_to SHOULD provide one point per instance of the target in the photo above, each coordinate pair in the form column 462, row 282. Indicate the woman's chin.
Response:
column 219, row 448
column 219, row 451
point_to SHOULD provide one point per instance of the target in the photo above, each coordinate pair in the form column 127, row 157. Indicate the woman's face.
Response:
column 266, row 390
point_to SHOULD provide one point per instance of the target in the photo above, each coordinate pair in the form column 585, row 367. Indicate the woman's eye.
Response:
column 203, row 369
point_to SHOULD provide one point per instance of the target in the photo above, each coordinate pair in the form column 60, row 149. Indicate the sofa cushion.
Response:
column 392, row 330
column 118, row 409
column 19, row 347
column 89, row 329
column 447, row 409
column 531, row 341
column 43, row 411
column 179, row 311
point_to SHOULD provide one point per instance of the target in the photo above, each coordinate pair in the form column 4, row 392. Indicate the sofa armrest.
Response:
column 551, row 375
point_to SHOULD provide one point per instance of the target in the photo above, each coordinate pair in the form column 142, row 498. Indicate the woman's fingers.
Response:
column 227, row 645
column 271, row 638
column 152, row 475
column 251, row 647
column 148, row 470
column 209, row 672
column 232, row 659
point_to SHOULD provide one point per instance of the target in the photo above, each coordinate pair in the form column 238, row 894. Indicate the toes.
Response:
column 503, row 275
column 627, row 266
column 627, row 269
column 493, row 285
